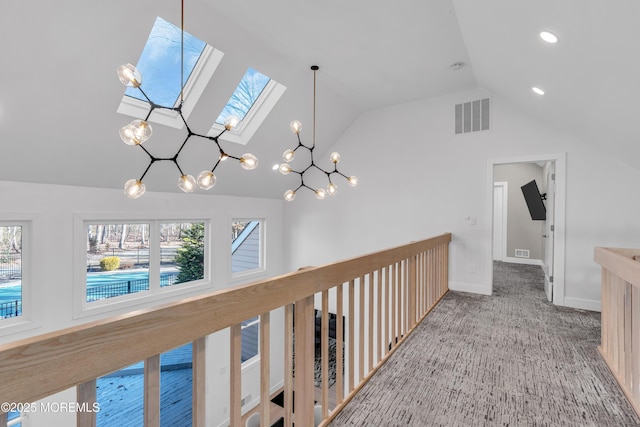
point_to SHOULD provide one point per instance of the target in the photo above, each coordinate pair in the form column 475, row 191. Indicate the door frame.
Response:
column 560, row 160
column 505, row 202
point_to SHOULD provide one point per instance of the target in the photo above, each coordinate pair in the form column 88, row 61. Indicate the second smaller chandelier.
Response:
column 289, row 155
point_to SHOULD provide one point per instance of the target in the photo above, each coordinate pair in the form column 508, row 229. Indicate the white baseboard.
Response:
column 583, row 304
column 529, row 261
column 469, row 287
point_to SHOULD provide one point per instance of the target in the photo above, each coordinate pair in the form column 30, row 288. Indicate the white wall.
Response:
column 53, row 212
column 418, row 179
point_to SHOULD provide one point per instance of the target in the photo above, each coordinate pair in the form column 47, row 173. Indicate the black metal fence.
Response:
column 10, row 266
column 10, row 309
column 117, row 289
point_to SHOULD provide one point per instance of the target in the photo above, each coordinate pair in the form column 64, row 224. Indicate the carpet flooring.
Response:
column 510, row 359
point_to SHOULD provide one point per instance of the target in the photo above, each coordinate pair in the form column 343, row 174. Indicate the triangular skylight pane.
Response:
column 245, row 95
column 159, row 63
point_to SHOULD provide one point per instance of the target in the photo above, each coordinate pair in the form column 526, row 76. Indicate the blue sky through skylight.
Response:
column 159, row 63
column 245, row 95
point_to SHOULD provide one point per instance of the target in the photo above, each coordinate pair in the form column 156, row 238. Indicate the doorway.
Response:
column 552, row 237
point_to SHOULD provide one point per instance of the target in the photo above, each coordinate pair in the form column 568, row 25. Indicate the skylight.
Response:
column 160, row 63
column 244, row 97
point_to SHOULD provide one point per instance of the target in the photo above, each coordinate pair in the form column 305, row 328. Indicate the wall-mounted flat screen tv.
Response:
column 534, row 201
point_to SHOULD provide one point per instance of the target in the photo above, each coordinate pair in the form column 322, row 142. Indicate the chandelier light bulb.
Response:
column 136, row 132
column 231, row 122
column 352, row 180
column 321, row 193
column 129, row 75
column 334, row 157
column 206, row 180
column 289, row 195
column 288, row 155
column 223, row 156
column 187, row 183
column 284, row 168
column 248, row 161
column 295, row 126
column 134, row 188
column 332, row 188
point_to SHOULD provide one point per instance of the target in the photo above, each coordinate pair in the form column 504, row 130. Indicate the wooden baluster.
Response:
column 199, row 380
column 351, row 346
column 235, row 374
column 412, row 283
column 288, row 365
column 86, row 395
column 361, row 332
column 635, row 344
column 339, row 384
column 152, row 391
column 304, row 361
column 627, row 335
column 370, row 322
column 265, row 369
column 324, row 347
column 379, row 348
column 394, row 289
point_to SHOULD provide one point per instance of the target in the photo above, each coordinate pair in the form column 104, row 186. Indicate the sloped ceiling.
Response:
column 58, row 120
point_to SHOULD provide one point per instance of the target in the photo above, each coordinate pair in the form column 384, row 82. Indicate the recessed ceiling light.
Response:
column 548, row 37
column 275, row 167
column 537, row 90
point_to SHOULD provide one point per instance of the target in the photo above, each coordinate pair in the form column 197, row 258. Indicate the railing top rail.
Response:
column 39, row 366
column 620, row 261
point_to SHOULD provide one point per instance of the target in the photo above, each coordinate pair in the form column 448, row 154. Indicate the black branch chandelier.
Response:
column 138, row 131
column 289, row 155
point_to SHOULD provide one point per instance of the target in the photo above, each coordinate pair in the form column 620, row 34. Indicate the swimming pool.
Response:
column 113, row 284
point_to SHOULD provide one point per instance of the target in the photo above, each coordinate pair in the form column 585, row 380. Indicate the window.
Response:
column 117, row 260
column 245, row 95
column 246, row 257
column 250, row 338
column 246, row 246
column 159, row 65
column 181, row 253
column 10, row 271
column 126, row 260
column 252, row 100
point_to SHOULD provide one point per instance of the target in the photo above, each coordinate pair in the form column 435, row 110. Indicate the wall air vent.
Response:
column 473, row 116
column 522, row 253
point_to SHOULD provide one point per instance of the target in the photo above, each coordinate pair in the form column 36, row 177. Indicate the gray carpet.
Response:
column 511, row 359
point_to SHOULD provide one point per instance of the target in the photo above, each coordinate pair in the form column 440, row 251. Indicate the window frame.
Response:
column 26, row 261
column 254, row 118
column 13, row 324
column 156, row 292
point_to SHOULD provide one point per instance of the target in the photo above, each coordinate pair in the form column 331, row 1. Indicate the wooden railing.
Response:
column 378, row 299
column 620, row 341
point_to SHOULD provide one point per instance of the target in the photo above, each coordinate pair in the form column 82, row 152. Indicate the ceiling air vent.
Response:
column 473, row 116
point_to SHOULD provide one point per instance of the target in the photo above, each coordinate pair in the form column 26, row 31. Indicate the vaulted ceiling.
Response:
column 58, row 120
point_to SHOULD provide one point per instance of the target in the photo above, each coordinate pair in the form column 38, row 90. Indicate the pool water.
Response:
column 13, row 291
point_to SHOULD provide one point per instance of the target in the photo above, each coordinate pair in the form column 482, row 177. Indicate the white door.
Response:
column 549, row 231
column 499, row 220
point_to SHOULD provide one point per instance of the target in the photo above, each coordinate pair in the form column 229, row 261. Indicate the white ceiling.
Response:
column 60, row 92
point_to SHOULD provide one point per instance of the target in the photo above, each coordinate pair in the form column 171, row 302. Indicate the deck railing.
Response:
column 620, row 341
column 377, row 299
